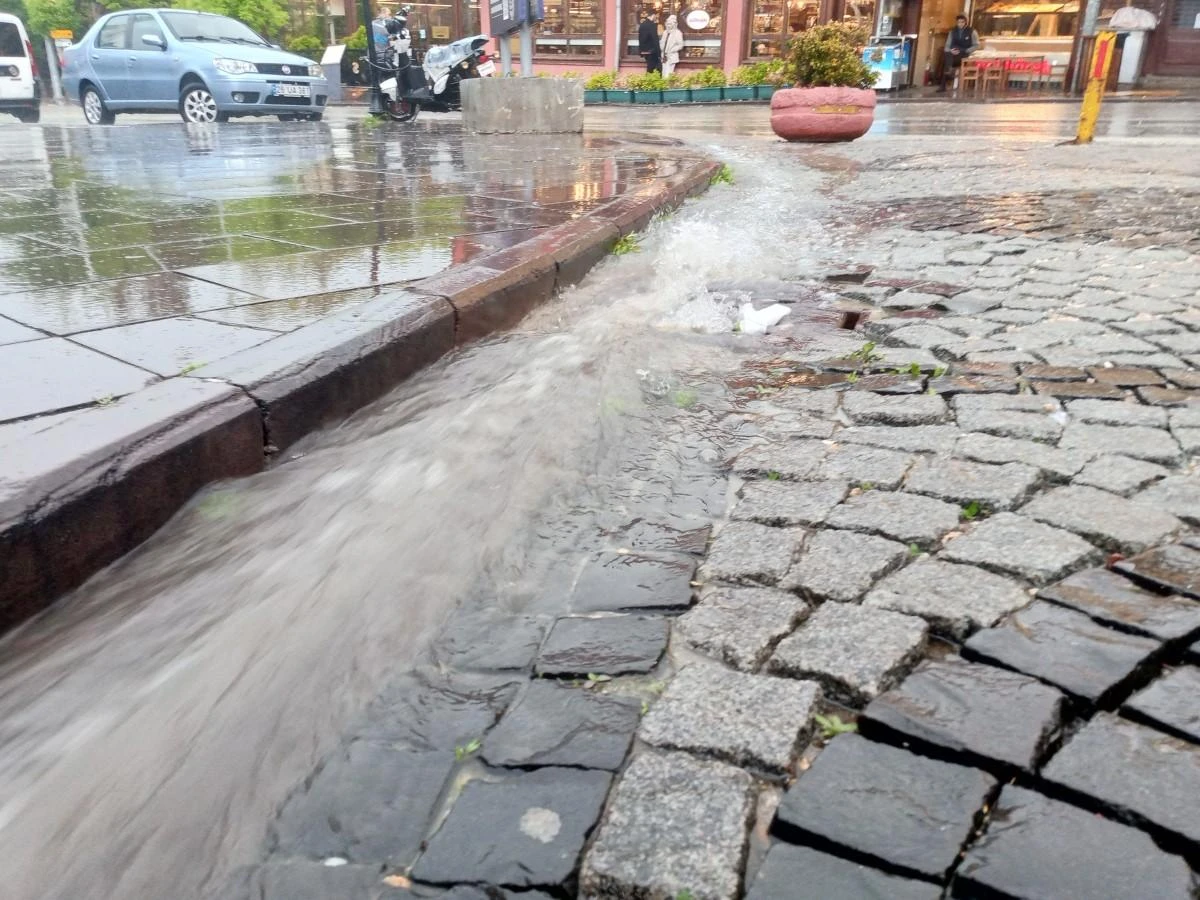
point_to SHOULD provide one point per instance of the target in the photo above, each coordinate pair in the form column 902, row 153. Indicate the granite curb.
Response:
column 83, row 488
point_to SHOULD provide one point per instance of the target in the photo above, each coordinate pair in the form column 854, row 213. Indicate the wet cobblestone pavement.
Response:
column 901, row 599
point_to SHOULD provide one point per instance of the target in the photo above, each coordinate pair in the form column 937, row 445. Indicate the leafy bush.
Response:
column 646, row 81
column 601, row 81
column 676, row 81
column 707, row 78
column 753, row 73
column 307, row 45
column 358, row 40
column 830, row 56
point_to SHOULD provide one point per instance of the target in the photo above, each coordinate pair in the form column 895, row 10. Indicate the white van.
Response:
column 20, row 93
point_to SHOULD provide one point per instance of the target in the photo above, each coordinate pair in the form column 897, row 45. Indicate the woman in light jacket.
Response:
column 672, row 44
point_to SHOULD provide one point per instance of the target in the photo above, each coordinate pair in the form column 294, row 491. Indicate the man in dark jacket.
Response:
column 648, row 46
column 960, row 43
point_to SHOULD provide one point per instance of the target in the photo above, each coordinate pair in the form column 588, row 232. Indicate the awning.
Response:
column 1017, row 7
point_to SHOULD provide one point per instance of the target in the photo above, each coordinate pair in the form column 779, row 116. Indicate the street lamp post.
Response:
column 376, row 99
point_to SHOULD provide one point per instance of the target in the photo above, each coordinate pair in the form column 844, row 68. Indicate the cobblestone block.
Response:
column 842, row 565
column 950, row 385
column 789, row 460
column 1125, row 376
column 1165, row 396
column 527, row 830
column 302, row 879
column 1017, row 545
column 787, row 426
column 1178, row 494
column 973, row 302
column 1105, row 519
column 1012, row 316
column 1187, row 417
column 1147, row 327
column 970, row 326
column 1016, row 416
column 955, row 600
column 1055, row 464
column 915, row 438
column 1150, row 444
column 749, row 553
column 1073, row 389
column 554, row 725
column 1184, row 342
column 830, row 878
column 1107, row 412
column 1135, row 773
column 1189, row 440
column 370, row 804
column 925, row 337
column 783, row 503
column 974, row 715
column 615, row 582
column 909, row 518
column 1170, row 704
column 491, row 641
column 1036, row 847
column 854, row 653
column 741, row 626
column 753, row 721
column 885, row 806
column 819, row 403
column 872, row 409
column 993, row 486
column 969, row 258
column 675, row 825
column 1183, row 378
column 611, row 645
column 865, row 466
column 967, row 349
column 1065, row 649
column 1120, row 474
column 1174, row 567
column 1116, row 601
column 911, row 299
column 1108, row 314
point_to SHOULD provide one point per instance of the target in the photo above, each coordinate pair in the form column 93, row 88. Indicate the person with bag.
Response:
column 648, row 43
column 671, row 45
column 961, row 42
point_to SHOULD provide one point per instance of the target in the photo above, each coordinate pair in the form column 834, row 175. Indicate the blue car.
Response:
column 206, row 67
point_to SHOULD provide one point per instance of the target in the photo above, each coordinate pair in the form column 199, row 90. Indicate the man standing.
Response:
column 961, row 42
column 648, row 42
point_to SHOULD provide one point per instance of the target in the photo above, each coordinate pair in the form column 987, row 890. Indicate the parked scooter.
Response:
column 436, row 85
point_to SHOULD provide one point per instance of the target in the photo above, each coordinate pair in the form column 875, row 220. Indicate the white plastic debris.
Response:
column 759, row 321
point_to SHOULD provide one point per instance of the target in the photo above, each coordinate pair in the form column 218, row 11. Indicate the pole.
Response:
column 1097, row 79
column 526, row 50
column 376, row 97
column 52, row 63
column 505, row 55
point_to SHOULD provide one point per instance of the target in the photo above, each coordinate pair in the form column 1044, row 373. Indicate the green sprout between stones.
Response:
column 627, row 243
column 865, row 354
column 912, row 370
column 832, row 726
column 190, row 367
column 938, row 371
column 773, row 475
column 598, row 679
column 866, row 486
column 973, row 510
column 106, row 400
column 914, row 550
column 467, row 749
column 852, row 378
column 684, row 399
column 645, row 707
column 724, row 176
column 685, row 894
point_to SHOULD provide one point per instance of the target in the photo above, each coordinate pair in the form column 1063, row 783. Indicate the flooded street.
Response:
column 153, row 722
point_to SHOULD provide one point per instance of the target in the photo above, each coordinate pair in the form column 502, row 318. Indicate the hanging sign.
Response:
column 697, row 19
column 504, row 19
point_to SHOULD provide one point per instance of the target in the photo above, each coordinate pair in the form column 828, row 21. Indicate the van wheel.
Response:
column 94, row 109
column 30, row 116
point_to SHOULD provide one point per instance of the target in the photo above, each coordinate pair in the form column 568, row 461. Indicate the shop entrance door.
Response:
column 1178, row 48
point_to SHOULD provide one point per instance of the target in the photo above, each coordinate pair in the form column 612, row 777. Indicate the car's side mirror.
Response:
column 154, row 40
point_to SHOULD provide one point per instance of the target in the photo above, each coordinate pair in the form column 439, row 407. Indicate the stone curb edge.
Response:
column 84, row 491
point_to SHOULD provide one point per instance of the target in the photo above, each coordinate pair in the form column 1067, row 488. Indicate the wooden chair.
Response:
column 968, row 76
column 995, row 78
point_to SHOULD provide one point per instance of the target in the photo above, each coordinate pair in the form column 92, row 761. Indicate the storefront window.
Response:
column 443, row 21
column 861, row 13
column 571, row 28
column 1020, row 18
column 701, row 21
column 774, row 22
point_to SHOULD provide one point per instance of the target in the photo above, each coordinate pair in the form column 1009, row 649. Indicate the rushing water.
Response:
column 151, row 724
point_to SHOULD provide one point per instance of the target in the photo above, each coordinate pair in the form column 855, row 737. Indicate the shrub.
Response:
column 676, row 81
column 307, row 45
column 646, row 81
column 601, row 81
column 358, row 40
column 830, row 56
column 707, row 78
column 751, row 74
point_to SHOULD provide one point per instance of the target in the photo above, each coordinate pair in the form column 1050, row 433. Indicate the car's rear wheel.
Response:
column 198, row 106
column 29, row 116
column 315, row 117
column 94, row 109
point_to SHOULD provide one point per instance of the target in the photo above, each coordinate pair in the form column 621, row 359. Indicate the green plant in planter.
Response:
column 676, row 82
column 707, row 78
column 601, row 81
column 646, row 81
column 749, row 75
column 829, row 56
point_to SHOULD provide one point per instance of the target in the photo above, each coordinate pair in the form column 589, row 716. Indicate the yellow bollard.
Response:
column 1106, row 42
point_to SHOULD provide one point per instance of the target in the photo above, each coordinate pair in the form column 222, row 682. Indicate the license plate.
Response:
column 293, row 90
column 487, row 69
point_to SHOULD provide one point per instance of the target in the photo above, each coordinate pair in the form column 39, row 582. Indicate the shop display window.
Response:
column 572, row 28
column 442, row 22
column 1022, row 18
column 774, row 22
column 701, row 21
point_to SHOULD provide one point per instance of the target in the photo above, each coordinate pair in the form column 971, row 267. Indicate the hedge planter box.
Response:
column 647, row 96
column 738, row 92
column 822, row 114
column 593, row 96
column 618, row 96
column 676, row 95
column 706, row 95
column 764, row 91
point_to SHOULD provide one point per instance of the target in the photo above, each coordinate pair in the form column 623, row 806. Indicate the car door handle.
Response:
column 95, row 56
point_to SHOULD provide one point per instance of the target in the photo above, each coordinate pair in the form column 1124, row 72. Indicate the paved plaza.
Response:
column 899, row 599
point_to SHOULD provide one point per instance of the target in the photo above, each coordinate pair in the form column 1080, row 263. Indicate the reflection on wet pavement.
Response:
column 104, row 231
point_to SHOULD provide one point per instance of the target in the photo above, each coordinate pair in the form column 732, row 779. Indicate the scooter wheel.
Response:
column 402, row 110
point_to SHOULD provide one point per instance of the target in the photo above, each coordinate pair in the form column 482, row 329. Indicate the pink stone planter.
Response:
column 821, row 114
